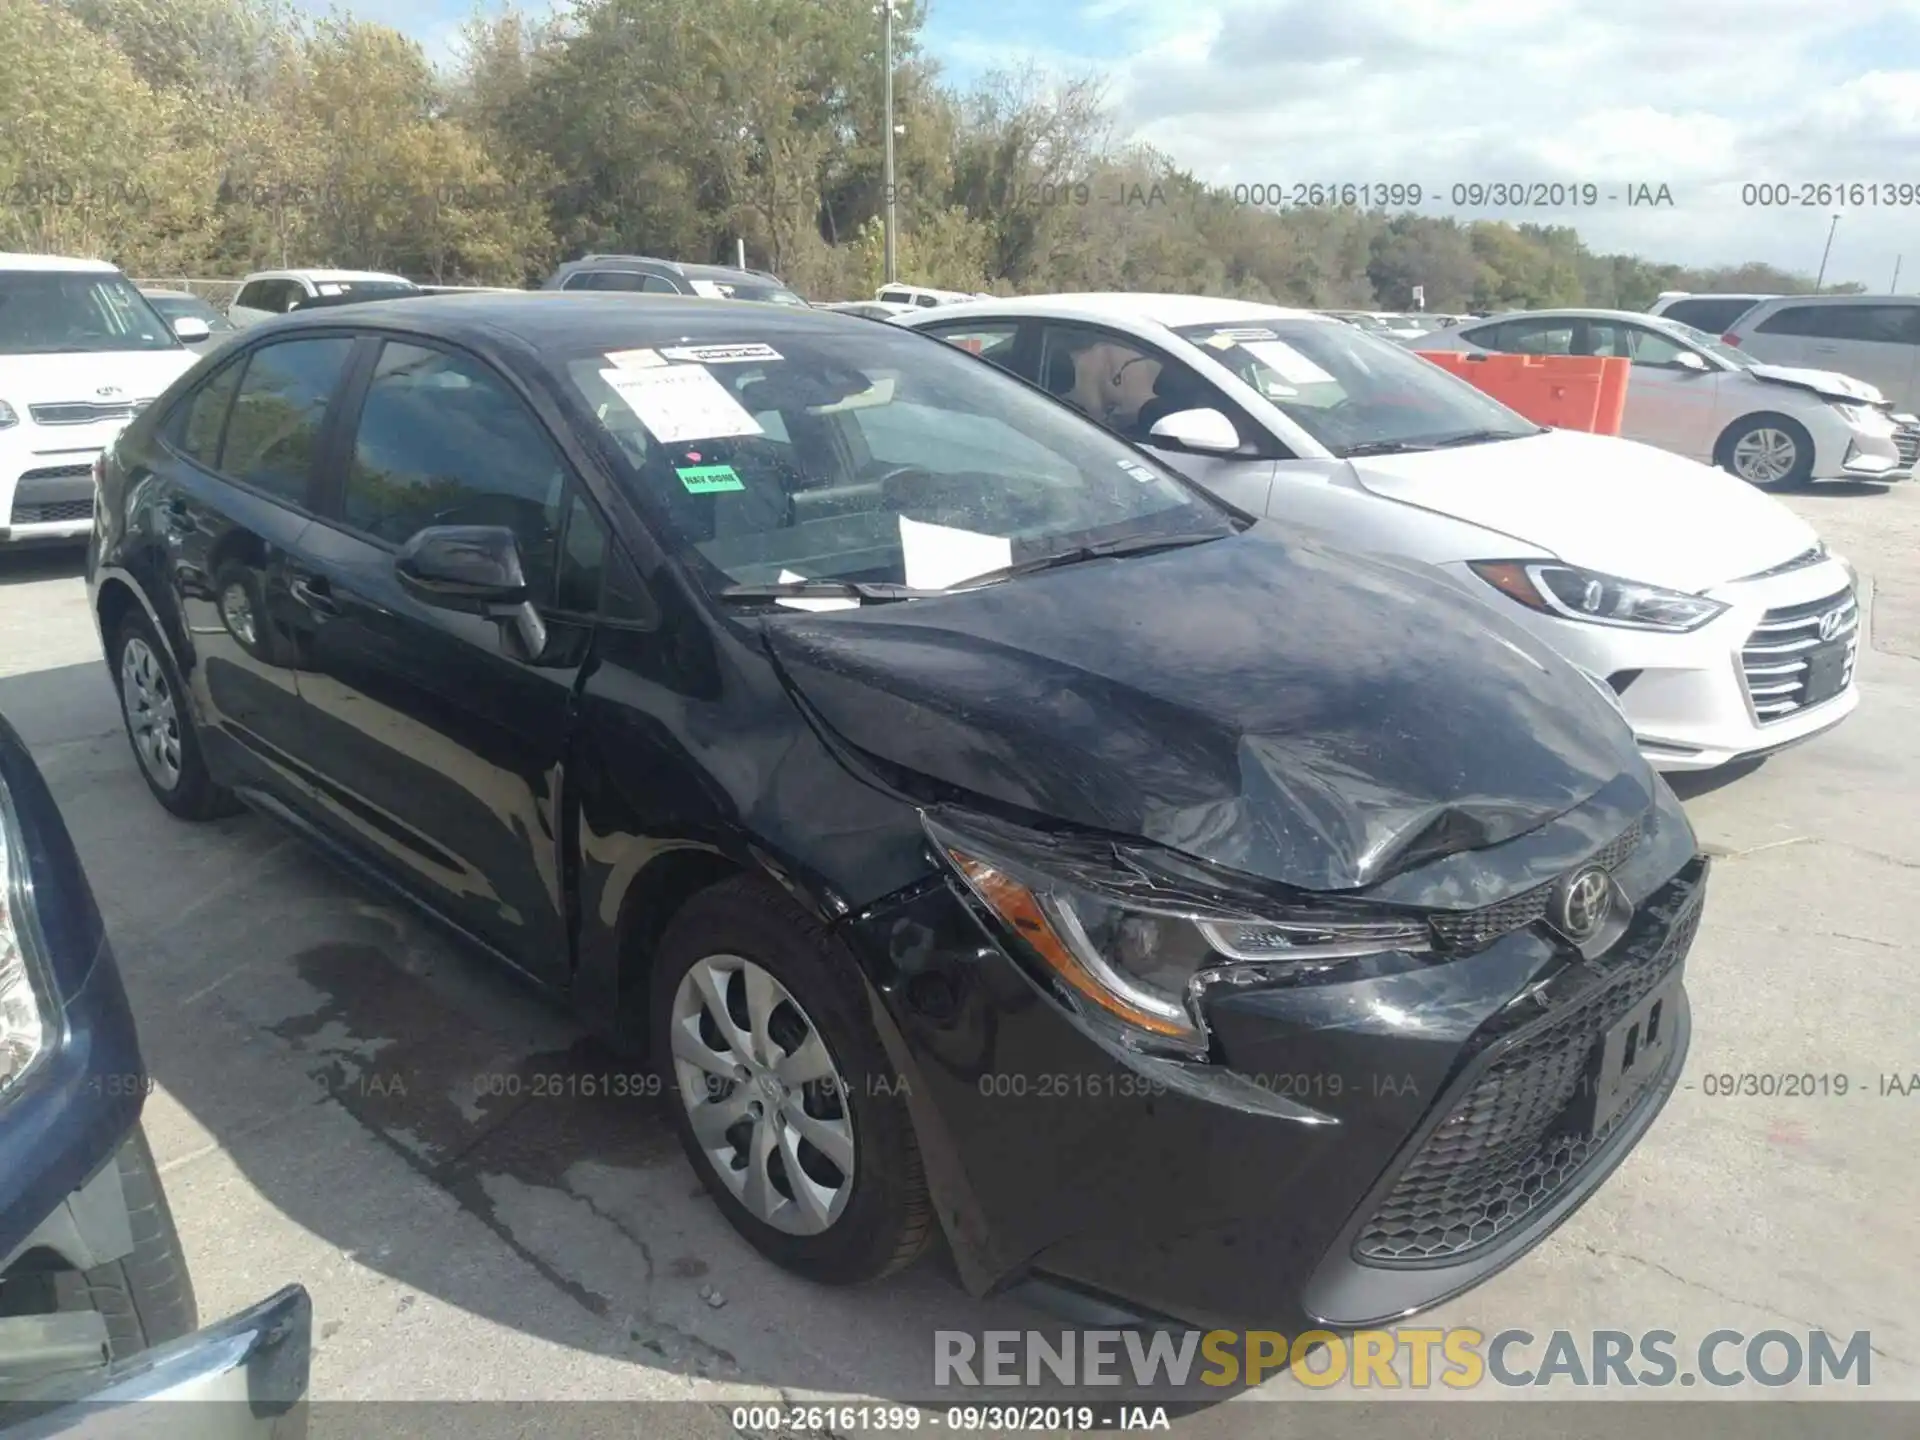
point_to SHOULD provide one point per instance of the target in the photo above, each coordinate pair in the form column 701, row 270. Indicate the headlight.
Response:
column 9, row 417
column 1575, row 594
column 1142, row 948
column 25, row 1018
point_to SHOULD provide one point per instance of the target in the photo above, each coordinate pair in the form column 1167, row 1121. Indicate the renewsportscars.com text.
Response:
column 1412, row 1358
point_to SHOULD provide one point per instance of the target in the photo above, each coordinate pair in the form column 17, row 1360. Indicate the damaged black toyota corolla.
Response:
column 981, row 826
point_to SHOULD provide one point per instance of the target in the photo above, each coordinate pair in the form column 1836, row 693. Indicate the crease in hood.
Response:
column 1261, row 703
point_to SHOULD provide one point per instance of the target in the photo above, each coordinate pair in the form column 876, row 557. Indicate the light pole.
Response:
column 1821, row 277
column 887, row 8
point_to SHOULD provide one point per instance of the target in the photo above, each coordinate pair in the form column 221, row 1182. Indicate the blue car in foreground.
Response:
column 97, row 1312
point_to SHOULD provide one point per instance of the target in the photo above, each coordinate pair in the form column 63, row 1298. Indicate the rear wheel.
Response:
column 1769, row 452
column 785, row 1101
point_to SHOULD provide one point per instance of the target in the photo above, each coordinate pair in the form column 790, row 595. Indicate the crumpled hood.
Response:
column 1284, row 710
column 1821, row 382
column 68, row 379
column 1598, row 501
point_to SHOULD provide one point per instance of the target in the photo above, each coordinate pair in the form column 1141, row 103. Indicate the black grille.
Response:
column 1798, row 562
column 59, row 472
column 1510, row 1145
column 1470, row 930
column 1774, row 661
column 52, row 512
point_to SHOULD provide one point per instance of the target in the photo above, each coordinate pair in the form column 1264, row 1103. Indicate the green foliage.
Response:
column 211, row 137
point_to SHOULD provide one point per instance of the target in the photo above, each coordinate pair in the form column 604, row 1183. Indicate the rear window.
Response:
column 1712, row 313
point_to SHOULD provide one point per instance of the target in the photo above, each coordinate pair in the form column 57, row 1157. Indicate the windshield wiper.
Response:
column 1384, row 447
column 1106, row 549
column 865, row 591
column 1481, row 437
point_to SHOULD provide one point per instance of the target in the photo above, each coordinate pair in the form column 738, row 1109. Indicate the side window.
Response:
column 196, row 428
column 583, row 560
column 613, row 280
column 443, row 440
column 1120, row 383
column 281, row 296
column 1545, row 336
column 659, row 285
column 1488, row 337
column 1790, row 320
column 1875, row 324
column 896, row 297
column 580, row 280
column 990, row 340
column 1648, row 347
column 273, row 434
column 249, row 296
column 925, row 302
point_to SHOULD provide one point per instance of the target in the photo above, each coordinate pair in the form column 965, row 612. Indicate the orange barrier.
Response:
column 1572, row 392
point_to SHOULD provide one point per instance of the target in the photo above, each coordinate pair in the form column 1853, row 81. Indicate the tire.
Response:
column 178, row 778
column 145, row 1298
column 1751, row 449
column 884, row 1218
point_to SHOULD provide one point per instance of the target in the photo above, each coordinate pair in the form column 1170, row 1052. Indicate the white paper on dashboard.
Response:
column 681, row 402
column 937, row 556
column 708, row 289
column 826, row 602
column 1287, row 362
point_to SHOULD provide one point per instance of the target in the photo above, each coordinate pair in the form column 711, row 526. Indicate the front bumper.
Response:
column 46, row 480
column 1728, row 691
column 1849, row 452
column 245, row 1378
column 1247, row 1191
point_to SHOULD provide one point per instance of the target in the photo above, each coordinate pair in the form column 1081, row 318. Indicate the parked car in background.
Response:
column 651, row 276
column 1774, row 427
column 1714, row 314
column 921, row 297
column 1709, row 609
column 185, row 305
column 96, row 1306
column 868, row 309
column 846, row 721
column 81, row 350
column 1873, row 337
column 268, row 293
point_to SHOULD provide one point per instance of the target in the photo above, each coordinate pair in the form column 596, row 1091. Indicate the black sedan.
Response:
column 979, row 825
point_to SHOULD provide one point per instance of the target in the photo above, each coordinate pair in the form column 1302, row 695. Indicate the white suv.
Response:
column 81, row 352
column 268, row 293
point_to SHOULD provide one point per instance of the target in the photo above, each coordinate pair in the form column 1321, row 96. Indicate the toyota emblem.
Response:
column 1830, row 623
column 1581, row 906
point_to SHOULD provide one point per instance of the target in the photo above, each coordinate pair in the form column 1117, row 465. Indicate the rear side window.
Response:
column 612, row 280
column 993, row 340
column 1875, row 324
column 273, row 433
column 1714, row 314
column 196, row 430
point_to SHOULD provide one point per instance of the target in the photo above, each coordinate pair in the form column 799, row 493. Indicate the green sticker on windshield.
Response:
column 709, row 479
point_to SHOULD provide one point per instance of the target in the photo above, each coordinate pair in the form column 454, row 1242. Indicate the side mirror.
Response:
column 191, row 330
column 1688, row 360
column 1205, row 430
column 476, row 570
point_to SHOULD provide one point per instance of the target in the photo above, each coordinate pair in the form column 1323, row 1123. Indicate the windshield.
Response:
column 878, row 458
column 76, row 312
column 767, row 293
column 189, row 307
column 1713, row 345
column 1351, row 391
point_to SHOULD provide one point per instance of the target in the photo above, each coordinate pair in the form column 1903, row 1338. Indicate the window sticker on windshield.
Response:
column 709, row 479
column 721, row 354
column 1227, row 339
column 1138, row 471
column 1288, row 363
column 634, row 359
column 681, row 402
column 331, row 289
column 710, row 290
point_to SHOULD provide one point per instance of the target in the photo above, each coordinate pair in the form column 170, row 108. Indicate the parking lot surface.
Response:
column 348, row 1100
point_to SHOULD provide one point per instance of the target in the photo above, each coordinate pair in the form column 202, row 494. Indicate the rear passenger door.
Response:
column 437, row 744
column 229, row 507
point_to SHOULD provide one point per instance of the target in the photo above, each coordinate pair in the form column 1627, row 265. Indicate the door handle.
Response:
column 314, row 593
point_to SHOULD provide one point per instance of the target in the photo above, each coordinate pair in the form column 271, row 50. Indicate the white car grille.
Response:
column 1801, row 655
column 85, row 412
column 1906, row 439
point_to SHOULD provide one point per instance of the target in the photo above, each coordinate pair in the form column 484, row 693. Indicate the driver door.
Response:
column 437, row 743
column 1669, row 404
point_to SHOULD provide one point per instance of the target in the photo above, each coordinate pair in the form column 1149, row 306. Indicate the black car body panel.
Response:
column 1275, row 717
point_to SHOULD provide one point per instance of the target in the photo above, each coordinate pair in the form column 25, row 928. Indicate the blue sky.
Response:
column 1709, row 98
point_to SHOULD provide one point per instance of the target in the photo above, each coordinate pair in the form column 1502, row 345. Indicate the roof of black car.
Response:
column 556, row 320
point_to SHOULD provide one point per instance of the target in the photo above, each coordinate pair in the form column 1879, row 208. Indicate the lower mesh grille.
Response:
column 51, row 512
column 1508, row 1147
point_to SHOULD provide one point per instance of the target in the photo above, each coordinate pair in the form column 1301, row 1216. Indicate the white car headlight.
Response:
column 1570, row 593
column 25, row 1015
column 9, row 417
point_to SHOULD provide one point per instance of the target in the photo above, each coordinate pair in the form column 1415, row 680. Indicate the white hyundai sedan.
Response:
column 1713, row 613
column 1772, row 425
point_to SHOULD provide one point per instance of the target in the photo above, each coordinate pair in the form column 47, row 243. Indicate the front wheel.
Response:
column 160, row 727
column 786, row 1103
column 1769, row 452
